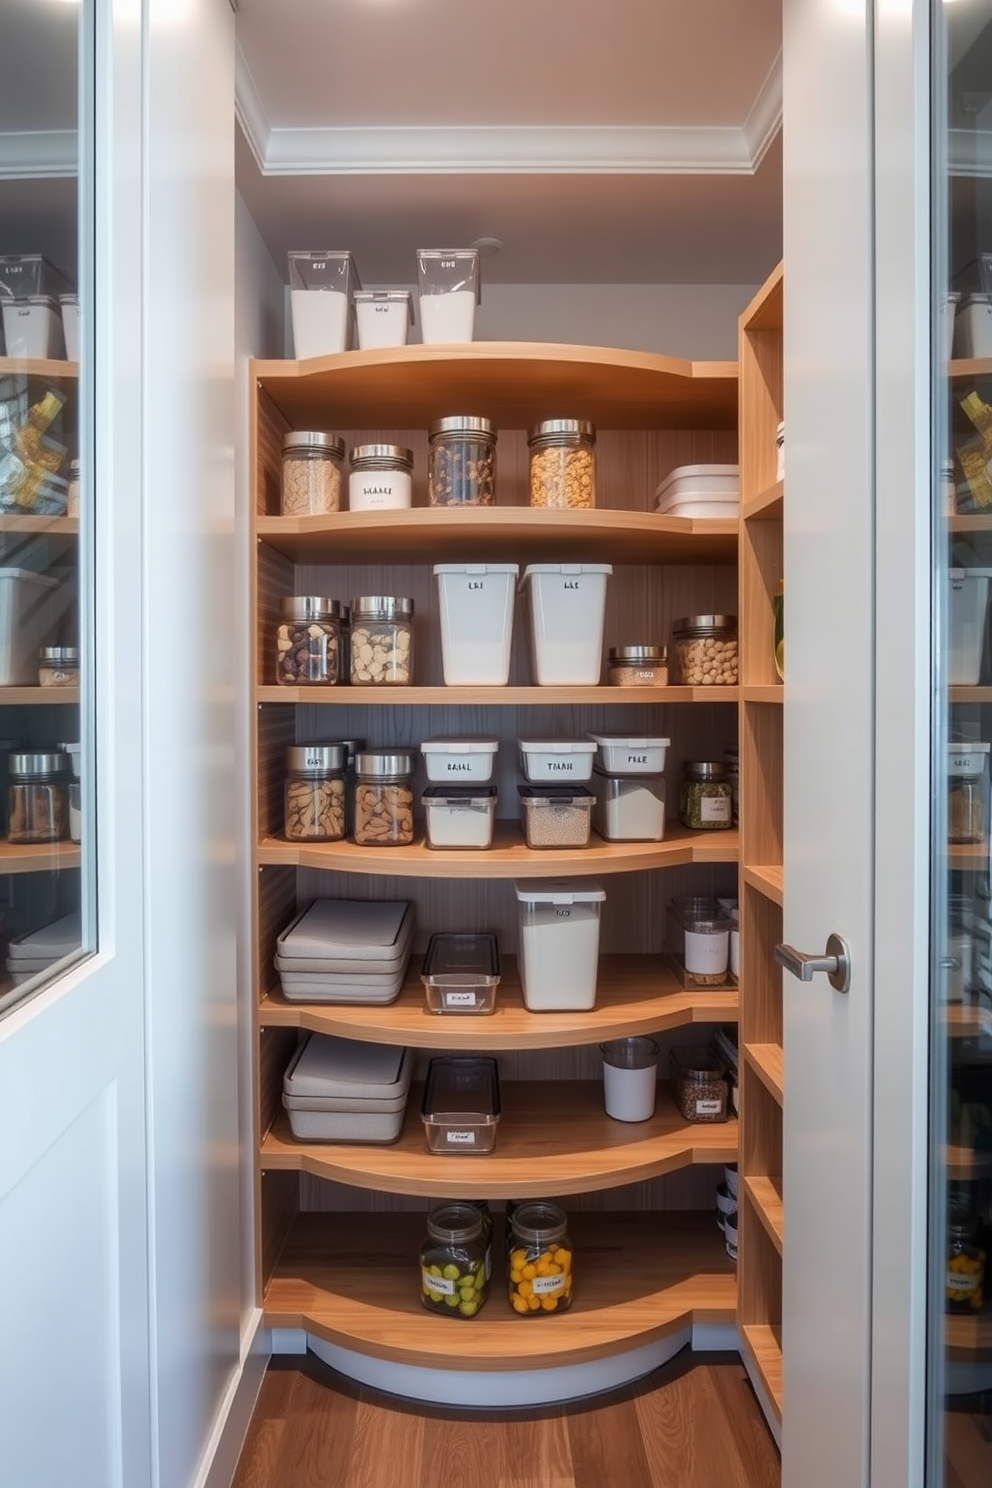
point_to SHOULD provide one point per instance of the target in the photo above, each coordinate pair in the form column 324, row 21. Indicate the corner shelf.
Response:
column 768, row 879
column 762, row 1347
column 970, row 367
column 490, row 697
column 765, row 692
column 36, row 697
column 39, row 367
column 38, row 857
column 767, row 1063
column 765, row 1195
column 767, row 506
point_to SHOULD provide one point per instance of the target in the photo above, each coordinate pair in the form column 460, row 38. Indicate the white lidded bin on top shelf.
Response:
column 320, row 289
column 567, row 611
column 700, row 491
column 973, row 326
column 33, row 327
column 384, row 317
column 476, row 602
column 628, row 754
column 449, row 293
column 29, row 614
column 452, row 759
column 558, row 943
column 554, row 760
column 967, row 611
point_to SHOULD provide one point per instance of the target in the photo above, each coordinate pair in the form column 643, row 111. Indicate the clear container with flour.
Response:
column 449, row 292
column 321, row 284
column 558, row 944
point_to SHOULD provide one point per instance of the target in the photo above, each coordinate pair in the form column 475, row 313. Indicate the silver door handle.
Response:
column 836, row 963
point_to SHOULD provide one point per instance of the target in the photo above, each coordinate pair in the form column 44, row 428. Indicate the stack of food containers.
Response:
column 29, row 290
column 340, row 1090
column 628, row 780
column 555, row 803
column 346, row 951
column 29, row 955
column 700, row 491
column 460, row 804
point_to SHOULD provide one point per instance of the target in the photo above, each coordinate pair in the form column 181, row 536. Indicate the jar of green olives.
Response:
column 453, row 1277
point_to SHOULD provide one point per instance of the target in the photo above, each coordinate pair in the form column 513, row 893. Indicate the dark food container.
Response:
column 461, row 1104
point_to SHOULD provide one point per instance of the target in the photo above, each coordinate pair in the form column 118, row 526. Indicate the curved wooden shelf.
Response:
column 40, row 526
column 962, row 1164
column 498, row 697
column 967, row 1022
column 508, row 857
column 41, row 857
column 765, row 1196
column 352, row 1279
column 554, row 1137
column 38, row 367
column 34, row 697
column 766, row 1060
column 968, row 856
column 515, row 383
column 634, row 994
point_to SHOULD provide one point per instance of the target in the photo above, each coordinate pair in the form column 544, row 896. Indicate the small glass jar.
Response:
column 540, row 1260
column 453, row 1280
column 72, row 490
column 58, row 666
column 637, row 666
column 380, row 478
column 308, row 642
column 314, row 809
column 381, row 641
column 311, row 473
column 964, row 1275
column 698, row 1084
column 383, row 812
column 703, row 652
column 461, row 468
column 706, row 798
column 563, row 464
column 37, row 797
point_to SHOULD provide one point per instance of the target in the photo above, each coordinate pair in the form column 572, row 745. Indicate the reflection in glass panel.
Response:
column 42, row 476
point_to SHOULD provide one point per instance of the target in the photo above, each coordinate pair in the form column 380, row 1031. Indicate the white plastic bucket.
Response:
column 476, row 602
column 567, row 610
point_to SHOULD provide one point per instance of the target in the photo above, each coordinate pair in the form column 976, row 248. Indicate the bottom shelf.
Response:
column 352, row 1279
column 761, row 1344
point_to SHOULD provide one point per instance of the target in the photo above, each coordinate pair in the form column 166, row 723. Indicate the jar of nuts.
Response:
column 461, row 469
column 381, row 641
column 637, row 666
column 308, row 642
column 563, row 464
column 704, row 651
column 311, row 473
column 314, row 797
column 383, row 813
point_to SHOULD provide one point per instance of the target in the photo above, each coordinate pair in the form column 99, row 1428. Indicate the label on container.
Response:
column 543, row 1286
column 438, row 1284
column 715, row 808
column 708, row 1107
column 962, row 1284
column 461, row 1138
column 706, row 952
column 560, row 767
column 459, row 999
column 381, row 491
column 458, row 767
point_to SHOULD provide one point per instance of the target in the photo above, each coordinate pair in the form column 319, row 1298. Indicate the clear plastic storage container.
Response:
column 449, row 292
column 461, row 1106
column 461, row 973
column 558, row 942
column 459, row 816
column 381, row 478
column 321, row 284
column 23, row 275
column 383, row 813
column 563, row 464
column 461, row 466
column 629, row 808
column 567, row 610
column 968, row 607
column 476, row 604
column 381, row 641
column 703, row 652
column 967, row 792
column 384, row 317
column 630, row 754
column 700, row 944
column 556, row 761
column 460, row 760
column 556, row 815
column 308, row 641
column 311, row 473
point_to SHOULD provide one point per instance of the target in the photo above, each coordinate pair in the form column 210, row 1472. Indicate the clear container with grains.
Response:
column 380, row 477
column 556, row 815
column 563, row 464
column 311, row 473
column 58, row 666
column 381, row 641
column 967, row 791
column 37, row 797
column 453, row 1276
column 383, row 810
column 539, row 1259
column 698, row 1083
column 637, row 666
column 703, row 652
column 314, row 797
column 461, row 469
column 706, row 798
column 308, row 642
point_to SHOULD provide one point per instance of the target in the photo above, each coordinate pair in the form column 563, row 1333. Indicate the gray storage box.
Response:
column 349, row 930
column 342, row 1090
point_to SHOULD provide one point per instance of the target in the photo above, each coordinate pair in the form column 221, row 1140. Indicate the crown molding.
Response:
column 765, row 118
column 38, row 155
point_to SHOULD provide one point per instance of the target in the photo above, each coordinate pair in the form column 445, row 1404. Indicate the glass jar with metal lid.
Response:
column 381, row 641
column 58, row 666
column 383, row 811
column 453, row 1279
column 704, row 651
column 308, row 642
column 964, row 1274
column 563, row 464
column 315, row 792
column 311, row 473
column 72, row 490
column 539, row 1260
column 637, row 666
column 706, row 797
column 37, row 796
column 461, row 467
column 380, row 477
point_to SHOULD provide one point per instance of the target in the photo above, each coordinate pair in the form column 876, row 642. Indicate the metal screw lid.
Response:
column 705, row 622
column 638, row 653
column 315, row 439
column 316, row 759
column 367, row 454
column 381, row 607
column 552, row 428
column 705, row 770
column 59, row 655
column 41, row 762
column 310, row 607
column 375, row 764
column 352, row 746
column 463, row 424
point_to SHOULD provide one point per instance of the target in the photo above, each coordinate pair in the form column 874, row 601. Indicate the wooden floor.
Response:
column 691, row 1424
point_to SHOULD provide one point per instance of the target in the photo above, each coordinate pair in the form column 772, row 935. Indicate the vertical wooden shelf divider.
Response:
column 759, row 1295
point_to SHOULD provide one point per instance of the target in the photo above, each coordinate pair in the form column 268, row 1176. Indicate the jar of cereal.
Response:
column 311, row 473
column 563, row 464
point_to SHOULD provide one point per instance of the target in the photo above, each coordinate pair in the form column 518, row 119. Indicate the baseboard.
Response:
column 220, row 1456
column 715, row 1338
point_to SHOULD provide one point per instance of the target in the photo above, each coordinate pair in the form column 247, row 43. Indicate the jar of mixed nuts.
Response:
column 706, row 797
column 461, row 467
column 637, row 666
column 58, row 666
column 563, row 464
column 381, row 641
column 37, row 797
column 964, row 1275
column 311, row 473
column 540, row 1259
column 314, row 795
column 704, row 651
column 308, row 642
column 380, row 477
column 383, row 812
column 453, row 1278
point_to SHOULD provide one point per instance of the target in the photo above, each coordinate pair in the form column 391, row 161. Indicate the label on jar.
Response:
column 708, row 1107
column 461, row 1138
column 545, row 1285
column 715, row 808
column 459, row 999
column 706, row 952
column 439, row 1284
column 961, row 1283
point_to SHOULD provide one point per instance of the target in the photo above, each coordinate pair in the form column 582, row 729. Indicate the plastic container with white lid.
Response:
column 629, row 808
column 700, row 491
column 476, row 603
column 448, row 279
column 23, row 275
column 28, row 615
column 465, row 760
column 347, row 1091
column 552, row 761
column 33, row 327
column 69, row 307
column 321, row 284
column 459, row 816
column 629, row 754
column 556, row 815
column 973, row 326
column 461, row 972
column 461, row 1104
column 47, row 943
column 558, row 942
column 384, row 317
column 567, row 611
column 968, row 608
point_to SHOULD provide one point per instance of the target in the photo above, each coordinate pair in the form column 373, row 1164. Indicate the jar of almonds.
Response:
column 703, row 652
column 381, row 641
column 308, row 642
column 383, row 813
column 314, row 796
column 563, row 464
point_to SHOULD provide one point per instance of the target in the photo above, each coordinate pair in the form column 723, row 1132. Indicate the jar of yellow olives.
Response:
column 453, row 1277
column 540, row 1259
column 965, row 1273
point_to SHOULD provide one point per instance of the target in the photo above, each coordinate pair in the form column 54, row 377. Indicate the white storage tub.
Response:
column 467, row 760
column 700, row 491
column 341, row 1090
column 629, row 808
column 69, row 305
column 567, row 610
column 459, row 816
column 28, row 615
column 384, row 317
column 967, row 612
column 320, row 290
column 550, row 761
column 449, row 292
column 558, row 943
column 476, row 603
column 33, row 328
column 973, row 327
column 628, row 754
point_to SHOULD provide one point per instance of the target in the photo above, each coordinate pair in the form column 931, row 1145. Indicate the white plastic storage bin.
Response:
column 558, row 943
column 629, row 808
column 384, row 317
column 556, row 761
column 69, row 304
column 968, row 608
column 28, row 615
column 459, row 816
column 476, row 601
column 33, row 328
column 567, row 609
column 23, row 275
column 973, row 327
column 449, row 292
column 452, row 760
column 628, row 754
column 320, row 289
column 343, row 1090
column 700, row 491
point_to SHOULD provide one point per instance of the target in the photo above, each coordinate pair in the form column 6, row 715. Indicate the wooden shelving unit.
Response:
column 40, row 857
column 760, row 1224
column 36, row 367
column 487, row 697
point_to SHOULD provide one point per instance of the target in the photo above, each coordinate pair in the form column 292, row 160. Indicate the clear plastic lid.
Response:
column 468, row 744
column 447, row 270
column 558, row 891
column 460, row 1086
column 454, row 959
column 332, row 268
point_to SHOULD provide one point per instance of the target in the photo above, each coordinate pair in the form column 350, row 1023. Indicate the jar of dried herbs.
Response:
column 706, row 797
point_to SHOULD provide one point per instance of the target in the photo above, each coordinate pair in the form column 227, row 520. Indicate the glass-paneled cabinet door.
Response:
column 46, row 479
column 959, row 1423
